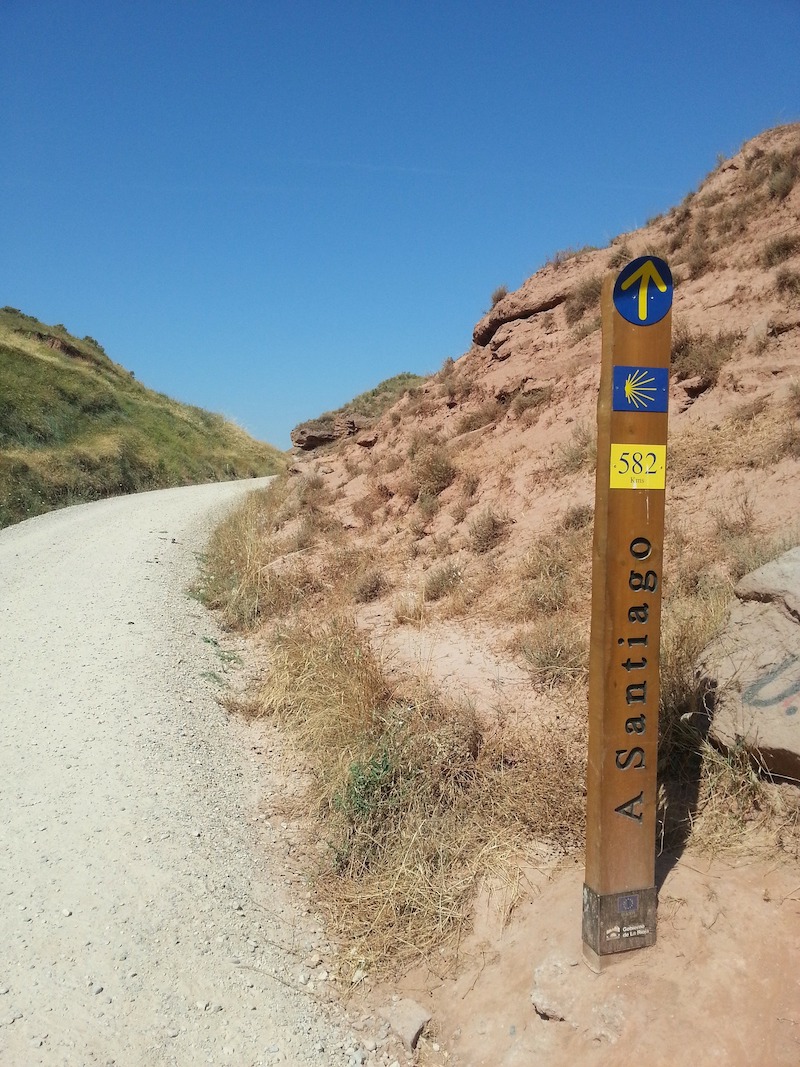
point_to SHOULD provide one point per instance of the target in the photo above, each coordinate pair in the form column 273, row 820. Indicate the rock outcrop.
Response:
column 752, row 670
column 316, row 433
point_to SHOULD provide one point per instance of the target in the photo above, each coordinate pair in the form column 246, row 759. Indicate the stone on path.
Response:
column 408, row 1019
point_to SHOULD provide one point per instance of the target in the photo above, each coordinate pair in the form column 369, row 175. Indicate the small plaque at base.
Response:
column 617, row 922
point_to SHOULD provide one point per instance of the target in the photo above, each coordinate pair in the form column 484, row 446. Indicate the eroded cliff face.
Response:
column 507, row 430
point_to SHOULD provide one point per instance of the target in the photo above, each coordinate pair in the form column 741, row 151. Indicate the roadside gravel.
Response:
column 141, row 920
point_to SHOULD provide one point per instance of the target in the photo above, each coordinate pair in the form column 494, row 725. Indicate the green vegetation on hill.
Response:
column 74, row 426
column 373, row 403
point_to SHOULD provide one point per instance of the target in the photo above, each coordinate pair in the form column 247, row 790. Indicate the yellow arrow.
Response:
column 644, row 275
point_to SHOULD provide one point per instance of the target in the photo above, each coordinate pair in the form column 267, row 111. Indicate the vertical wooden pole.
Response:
column 619, row 896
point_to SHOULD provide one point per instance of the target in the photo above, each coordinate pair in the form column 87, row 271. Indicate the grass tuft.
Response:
column 779, row 249
column 586, row 295
column 579, row 451
column 487, row 530
column 699, row 354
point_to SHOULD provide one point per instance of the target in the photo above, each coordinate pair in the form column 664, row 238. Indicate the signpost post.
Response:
column 619, row 894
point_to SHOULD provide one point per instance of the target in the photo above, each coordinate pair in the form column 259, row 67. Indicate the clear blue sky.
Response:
column 265, row 208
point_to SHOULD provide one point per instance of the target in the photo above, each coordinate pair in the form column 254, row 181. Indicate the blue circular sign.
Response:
column 643, row 291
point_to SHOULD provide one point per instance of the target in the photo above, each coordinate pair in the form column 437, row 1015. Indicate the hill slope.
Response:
column 74, row 426
column 432, row 582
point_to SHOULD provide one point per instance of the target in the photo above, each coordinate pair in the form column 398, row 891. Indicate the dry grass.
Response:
column 416, row 802
column 619, row 257
column 432, row 469
column 779, row 249
column 578, row 516
column 409, row 609
column 550, row 574
column 487, row 530
column 579, row 451
column 555, row 649
column 700, row 355
column 527, row 402
column 488, row 412
column 370, row 584
column 586, row 295
column 365, row 506
column 254, row 569
column 442, row 580
column 754, row 436
column 787, row 282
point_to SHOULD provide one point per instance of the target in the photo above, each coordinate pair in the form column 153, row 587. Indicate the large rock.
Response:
column 752, row 670
column 311, row 435
column 317, row 432
column 523, row 304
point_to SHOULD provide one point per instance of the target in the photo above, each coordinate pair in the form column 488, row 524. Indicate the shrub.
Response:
column 499, row 293
column 370, row 585
column 779, row 249
column 580, row 450
column 586, row 295
column 619, row 256
column 787, row 282
column 488, row 412
column 698, row 354
column 531, row 400
column 442, row 580
column 433, row 470
column 487, row 530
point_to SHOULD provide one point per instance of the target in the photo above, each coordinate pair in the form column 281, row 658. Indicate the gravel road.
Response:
column 142, row 920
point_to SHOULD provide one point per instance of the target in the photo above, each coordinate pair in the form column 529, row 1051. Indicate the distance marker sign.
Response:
column 619, row 894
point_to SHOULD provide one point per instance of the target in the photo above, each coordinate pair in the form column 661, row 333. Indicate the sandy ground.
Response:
column 142, row 920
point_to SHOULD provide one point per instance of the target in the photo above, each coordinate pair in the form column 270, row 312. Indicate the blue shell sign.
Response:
column 640, row 389
column 643, row 291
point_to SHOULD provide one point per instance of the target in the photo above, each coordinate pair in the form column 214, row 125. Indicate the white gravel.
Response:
column 141, row 921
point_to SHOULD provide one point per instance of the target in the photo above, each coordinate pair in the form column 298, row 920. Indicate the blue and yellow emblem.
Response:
column 643, row 291
column 640, row 389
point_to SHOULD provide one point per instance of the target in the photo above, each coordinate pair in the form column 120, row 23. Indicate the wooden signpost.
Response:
column 619, row 894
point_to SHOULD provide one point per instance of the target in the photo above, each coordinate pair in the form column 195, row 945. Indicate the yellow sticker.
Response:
column 638, row 467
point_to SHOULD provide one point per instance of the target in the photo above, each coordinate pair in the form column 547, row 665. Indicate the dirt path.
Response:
column 139, row 923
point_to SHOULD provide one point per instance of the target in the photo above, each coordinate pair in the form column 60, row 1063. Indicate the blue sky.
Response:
column 265, row 208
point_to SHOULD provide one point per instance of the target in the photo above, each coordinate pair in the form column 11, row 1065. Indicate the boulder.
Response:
column 751, row 672
column 523, row 304
column 318, row 432
column 310, row 435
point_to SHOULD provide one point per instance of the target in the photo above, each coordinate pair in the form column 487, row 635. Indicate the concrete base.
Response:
column 617, row 922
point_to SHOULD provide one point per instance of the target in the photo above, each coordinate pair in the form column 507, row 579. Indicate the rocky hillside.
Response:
column 75, row 426
column 508, row 428
column 430, row 572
